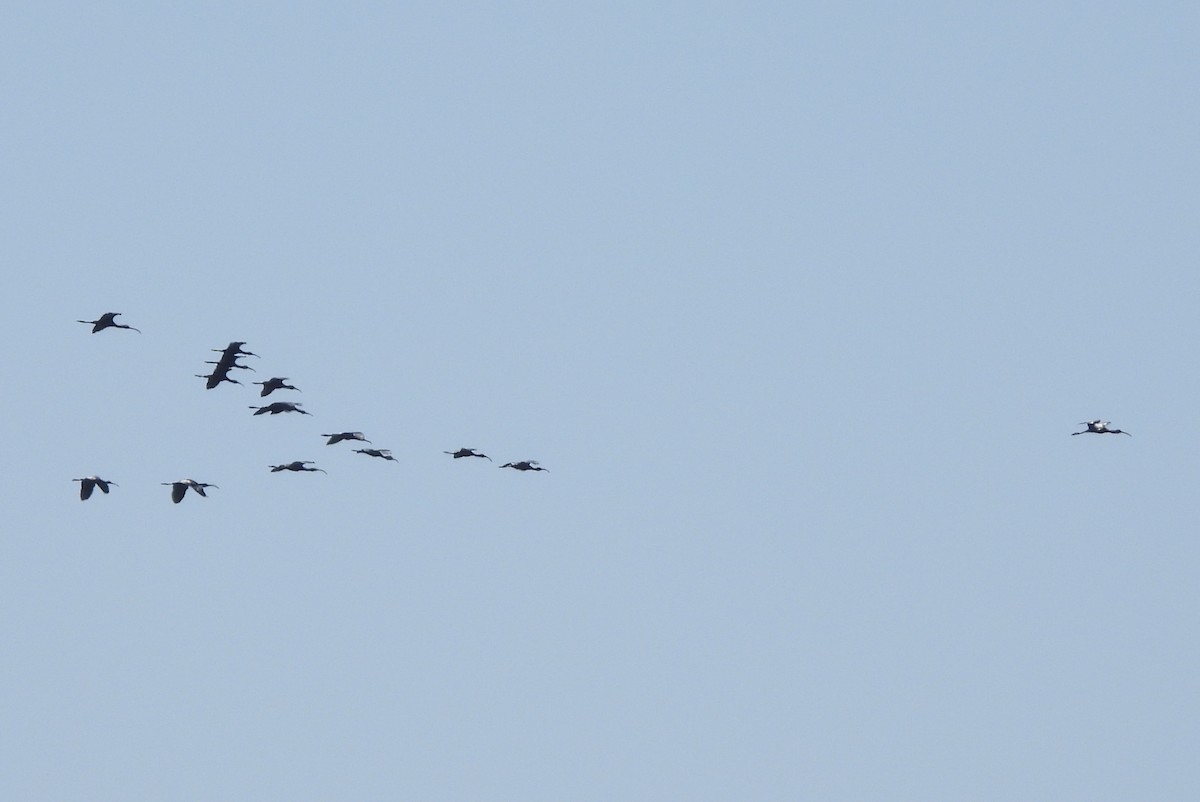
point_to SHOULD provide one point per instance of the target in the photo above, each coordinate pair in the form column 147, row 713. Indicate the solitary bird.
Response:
column 181, row 487
column 90, row 483
column 1099, row 427
column 298, row 465
column 273, row 384
column 340, row 436
column 107, row 321
column 377, row 452
column 276, row 407
column 467, row 452
column 525, row 465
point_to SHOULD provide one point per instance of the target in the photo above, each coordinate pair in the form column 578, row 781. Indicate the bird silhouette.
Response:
column 377, row 452
column 215, row 378
column 227, row 364
column 179, row 488
column 525, row 465
column 340, row 436
column 107, row 321
column 298, row 465
column 90, row 483
column 275, row 407
column 273, row 384
column 467, row 452
column 234, row 350
column 222, row 366
column 1099, row 427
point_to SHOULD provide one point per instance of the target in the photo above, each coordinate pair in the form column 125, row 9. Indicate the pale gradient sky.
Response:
column 798, row 303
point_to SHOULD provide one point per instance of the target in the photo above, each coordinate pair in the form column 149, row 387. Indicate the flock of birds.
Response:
column 228, row 361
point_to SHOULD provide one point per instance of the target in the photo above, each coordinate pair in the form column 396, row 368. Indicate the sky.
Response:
column 798, row 305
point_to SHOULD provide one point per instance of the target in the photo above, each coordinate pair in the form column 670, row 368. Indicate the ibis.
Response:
column 298, row 465
column 383, row 453
column 467, row 452
column 275, row 407
column 525, row 465
column 90, row 483
column 340, row 436
column 181, row 487
column 273, row 384
column 1099, row 427
column 108, row 321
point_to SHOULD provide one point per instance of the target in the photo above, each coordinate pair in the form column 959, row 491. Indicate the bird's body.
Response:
column 108, row 321
column 178, row 489
column 90, row 483
column 273, row 384
column 467, row 452
column 525, row 465
column 382, row 453
column 298, row 465
column 275, row 407
column 1099, row 427
column 340, row 436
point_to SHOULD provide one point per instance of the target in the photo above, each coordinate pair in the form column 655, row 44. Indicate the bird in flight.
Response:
column 225, row 365
column 467, row 452
column 340, row 436
column 298, row 465
column 384, row 453
column 276, row 407
column 90, row 483
column 181, row 487
column 234, row 350
column 525, row 465
column 1099, row 427
column 215, row 378
column 107, row 321
column 273, row 384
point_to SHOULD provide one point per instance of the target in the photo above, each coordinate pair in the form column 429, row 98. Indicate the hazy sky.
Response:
column 798, row 303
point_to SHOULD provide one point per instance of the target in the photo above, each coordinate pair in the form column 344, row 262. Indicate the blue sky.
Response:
column 798, row 305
